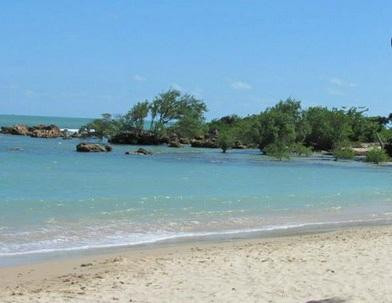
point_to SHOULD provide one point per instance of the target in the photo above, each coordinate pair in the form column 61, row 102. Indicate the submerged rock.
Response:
column 93, row 147
column 140, row 151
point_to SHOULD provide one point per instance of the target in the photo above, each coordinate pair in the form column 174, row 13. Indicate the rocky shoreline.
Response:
column 41, row 131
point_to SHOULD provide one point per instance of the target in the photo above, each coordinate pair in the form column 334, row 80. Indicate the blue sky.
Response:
column 82, row 58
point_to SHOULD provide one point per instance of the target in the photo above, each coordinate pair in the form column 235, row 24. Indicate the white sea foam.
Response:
column 140, row 239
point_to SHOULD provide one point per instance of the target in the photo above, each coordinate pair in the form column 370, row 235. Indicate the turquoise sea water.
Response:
column 55, row 199
column 70, row 123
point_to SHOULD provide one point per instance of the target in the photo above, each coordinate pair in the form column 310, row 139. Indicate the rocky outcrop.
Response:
column 206, row 143
column 137, row 138
column 210, row 140
column 93, row 147
column 45, row 131
column 239, row 145
column 38, row 131
column 175, row 144
column 185, row 141
column 140, row 151
column 19, row 129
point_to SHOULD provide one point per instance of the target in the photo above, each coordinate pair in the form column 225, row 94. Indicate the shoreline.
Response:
column 36, row 257
column 258, row 268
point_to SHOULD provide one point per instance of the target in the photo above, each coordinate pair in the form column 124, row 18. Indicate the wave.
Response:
column 159, row 238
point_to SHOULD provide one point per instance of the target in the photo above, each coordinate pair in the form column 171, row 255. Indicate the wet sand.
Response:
column 350, row 265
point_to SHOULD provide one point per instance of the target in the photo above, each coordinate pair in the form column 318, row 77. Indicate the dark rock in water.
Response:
column 239, row 145
column 174, row 144
column 184, row 141
column 93, row 147
column 38, row 131
column 45, row 131
column 140, row 151
column 15, row 149
column 137, row 138
column 19, row 129
column 206, row 143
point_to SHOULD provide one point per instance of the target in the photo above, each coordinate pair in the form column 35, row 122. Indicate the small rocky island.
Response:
column 38, row 131
column 93, row 147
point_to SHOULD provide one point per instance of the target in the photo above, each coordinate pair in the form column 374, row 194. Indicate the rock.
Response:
column 184, row 141
column 136, row 137
column 38, row 131
column 19, row 129
column 239, row 145
column 93, row 147
column 140, row 151
column 174, row 144
column 208, row 143
column 45, row 131
column 199, row 138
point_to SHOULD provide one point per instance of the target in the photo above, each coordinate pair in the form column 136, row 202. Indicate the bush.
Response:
column 345, row 153
column 376, row 156
column 278, row 151
column 301, row 150
column 225, row 141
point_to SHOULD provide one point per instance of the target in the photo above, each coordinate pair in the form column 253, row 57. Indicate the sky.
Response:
column 84, row 58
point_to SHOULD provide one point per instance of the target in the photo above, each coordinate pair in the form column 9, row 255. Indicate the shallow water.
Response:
column 53, row 198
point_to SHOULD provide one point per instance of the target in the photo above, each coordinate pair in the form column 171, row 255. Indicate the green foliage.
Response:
column 377, row 156
column 280, row 131
column 345, row 153
column 301, row 150
column 190, row 119
column 225, row 140
column 185, row 110
column 281, row 126
column 105, row 127
column 136, row 116
column 277, row 150
column 328, row 128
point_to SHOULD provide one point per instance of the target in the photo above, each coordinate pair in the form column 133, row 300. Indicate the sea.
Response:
column 54, row 199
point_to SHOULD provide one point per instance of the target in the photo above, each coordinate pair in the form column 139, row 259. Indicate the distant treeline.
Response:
column 280, row 130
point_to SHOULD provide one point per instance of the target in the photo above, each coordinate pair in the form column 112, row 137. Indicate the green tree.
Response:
column 281, row 125
column 165, row 108
column 225, row 141
column 104, row 127
column 137, row 115
column 328, row 128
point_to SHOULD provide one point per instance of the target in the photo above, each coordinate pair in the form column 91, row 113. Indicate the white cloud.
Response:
column 241, row 85
column 338, row 82
column 138, row 78
column 339, row 87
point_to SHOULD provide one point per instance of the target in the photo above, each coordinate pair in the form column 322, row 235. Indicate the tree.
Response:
column 136, row 116
column 281, row 125
column 225, row 141
column 164, row 108
column 104, row 127
column 329, row 129
column 190, row 120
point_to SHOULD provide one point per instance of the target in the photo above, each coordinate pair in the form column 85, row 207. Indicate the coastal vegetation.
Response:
column 376, row 156
column 280, row 131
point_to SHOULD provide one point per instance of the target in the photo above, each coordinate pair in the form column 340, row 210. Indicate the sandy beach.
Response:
column 351, row 265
